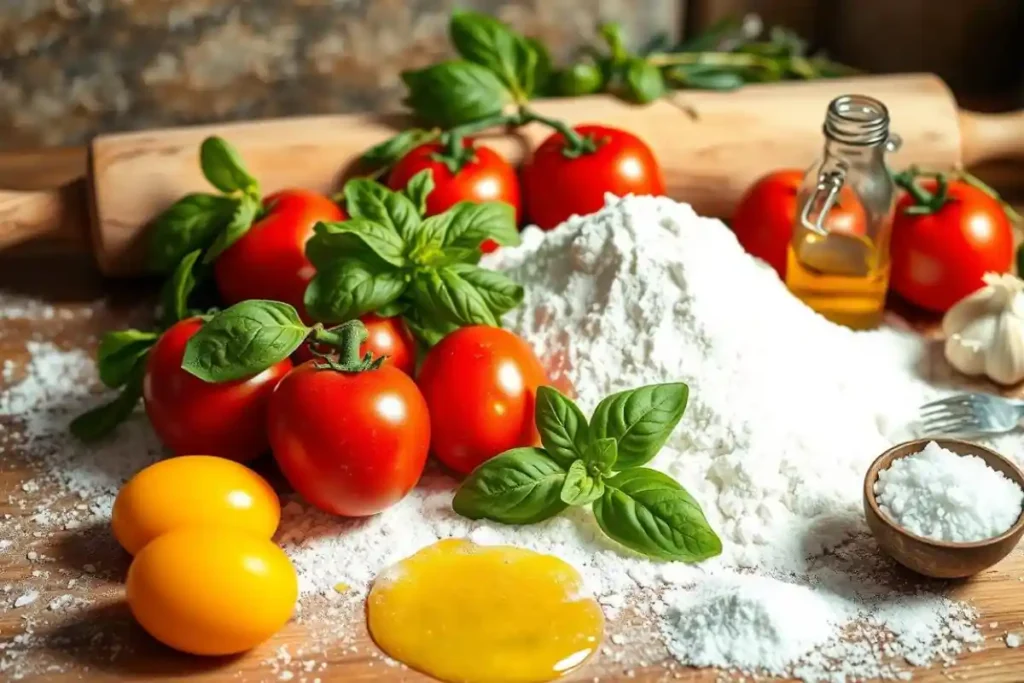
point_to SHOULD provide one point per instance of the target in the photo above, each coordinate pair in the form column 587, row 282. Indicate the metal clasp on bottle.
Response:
column 829, row 185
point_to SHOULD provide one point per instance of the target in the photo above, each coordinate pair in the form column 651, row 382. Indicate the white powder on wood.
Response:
column 942, row 495
column 750, row 623
column 786, row 412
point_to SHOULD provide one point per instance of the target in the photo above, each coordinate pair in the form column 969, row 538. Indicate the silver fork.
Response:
column 974, row 413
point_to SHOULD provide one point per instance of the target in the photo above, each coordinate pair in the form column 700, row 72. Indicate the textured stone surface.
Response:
column 73, row 68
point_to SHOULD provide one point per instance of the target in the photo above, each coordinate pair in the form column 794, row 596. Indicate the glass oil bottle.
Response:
column 838, row 260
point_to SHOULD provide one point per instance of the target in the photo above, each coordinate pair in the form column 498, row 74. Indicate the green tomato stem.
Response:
column 347, row 338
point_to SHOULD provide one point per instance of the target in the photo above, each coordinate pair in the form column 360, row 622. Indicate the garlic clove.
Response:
column 965, row 354
column 980, row 303
column 1004, row 360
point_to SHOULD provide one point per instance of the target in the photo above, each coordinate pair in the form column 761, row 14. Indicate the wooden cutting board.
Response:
column 100, row 643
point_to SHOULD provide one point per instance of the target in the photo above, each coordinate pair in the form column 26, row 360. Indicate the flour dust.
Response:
column 786, row 412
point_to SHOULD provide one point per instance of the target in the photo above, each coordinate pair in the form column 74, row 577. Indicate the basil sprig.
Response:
column 599, row 463
column 207, row 222
column 386, row 258
column 122, row 354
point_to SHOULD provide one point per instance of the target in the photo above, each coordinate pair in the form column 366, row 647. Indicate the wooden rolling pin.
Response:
column 711, row 146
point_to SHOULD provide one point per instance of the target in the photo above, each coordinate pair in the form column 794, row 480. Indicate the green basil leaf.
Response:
column 542, row 69
column 395, row 308
column 1020, row 259
column 419, row 188
column 612, row 34
column 644, row 82
column 583, row 78
column 601, row 454
column 652, row 514
column 191, row 223
column 442, row 294
column 176, row 291
column 244, row 340
column 465, row 295
column 470, row 223
column 330, row 244
column 705, row 77
column 640, row 420
column 242, row 219
column 429, row 330
column 491, row 44
column 382, row 239
column 101, row 421
column 580, row 487
column 427, row 246
column 498, row 291
column 224, row 168
column 520, row 486
column 563, row 428
column 119, row 352
column 394, row 148
column 453, row 93
column 350, row 288
column 369, row 199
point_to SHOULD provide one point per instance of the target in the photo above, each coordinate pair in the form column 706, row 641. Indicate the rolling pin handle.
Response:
column 986, row 137
column 43, row 214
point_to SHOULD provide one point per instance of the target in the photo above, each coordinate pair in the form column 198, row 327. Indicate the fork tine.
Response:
column 955, row 399
column 955, row 426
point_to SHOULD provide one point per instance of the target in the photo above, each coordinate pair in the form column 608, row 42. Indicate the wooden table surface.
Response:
column 100, row 642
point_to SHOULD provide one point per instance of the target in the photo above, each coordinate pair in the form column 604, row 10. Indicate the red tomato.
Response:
column 480, row 384
column 556, row 187
column 387, row 337
column 193, row 417
column 939, row 259
column 764, row 219
column 352, row 443
column 487, row 178
column 269, row 261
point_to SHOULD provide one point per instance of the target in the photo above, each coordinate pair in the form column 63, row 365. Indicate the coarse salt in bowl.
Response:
column 944, row 508
column 945, row 496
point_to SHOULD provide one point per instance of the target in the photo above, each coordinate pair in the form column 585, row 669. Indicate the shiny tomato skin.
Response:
column 269, row 261
column 486, row 178
column 764, row 218
column 556, row 187
column 388, row 337
column 352, row 444
column 193, row 417
column 939, row 259
column 480, row 384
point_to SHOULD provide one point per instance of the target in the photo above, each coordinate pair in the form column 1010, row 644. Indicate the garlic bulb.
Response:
column 985, row 330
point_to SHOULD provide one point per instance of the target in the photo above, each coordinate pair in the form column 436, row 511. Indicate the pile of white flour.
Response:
column 786, row 412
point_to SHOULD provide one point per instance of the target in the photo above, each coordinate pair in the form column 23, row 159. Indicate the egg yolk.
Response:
column 497, row 614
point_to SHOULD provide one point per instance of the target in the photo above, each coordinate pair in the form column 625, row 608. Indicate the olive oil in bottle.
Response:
column 838, row 259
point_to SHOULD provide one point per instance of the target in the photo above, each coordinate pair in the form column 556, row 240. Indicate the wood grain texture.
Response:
column 102, row 644
column 710, row 145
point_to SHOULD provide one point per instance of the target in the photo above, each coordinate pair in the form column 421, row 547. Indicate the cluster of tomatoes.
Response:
column 550, row 187
column 353, row 443
column 936, row 257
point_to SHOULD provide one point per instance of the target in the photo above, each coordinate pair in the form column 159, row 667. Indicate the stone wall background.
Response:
column 72, row 68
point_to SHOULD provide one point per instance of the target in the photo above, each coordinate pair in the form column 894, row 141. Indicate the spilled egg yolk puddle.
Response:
column 473, row 614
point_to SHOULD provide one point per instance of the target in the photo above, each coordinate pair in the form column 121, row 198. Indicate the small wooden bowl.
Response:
column 939, row 559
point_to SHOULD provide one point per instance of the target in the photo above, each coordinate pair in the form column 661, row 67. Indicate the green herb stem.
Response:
column 732, row 59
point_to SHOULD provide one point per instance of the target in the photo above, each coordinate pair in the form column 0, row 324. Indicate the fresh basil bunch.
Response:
column 598, row 462
column 388, row 259
column 206, row 222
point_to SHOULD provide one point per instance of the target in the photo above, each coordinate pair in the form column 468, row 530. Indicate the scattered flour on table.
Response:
column 949, row 497
column 786, row 412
